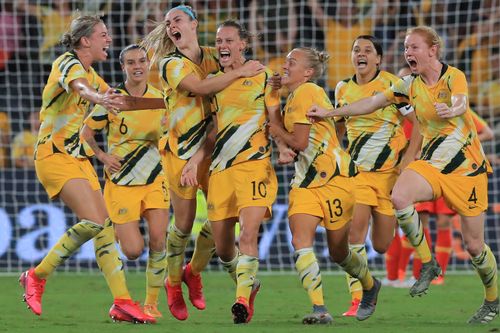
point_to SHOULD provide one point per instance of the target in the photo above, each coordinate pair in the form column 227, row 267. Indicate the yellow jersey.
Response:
column 323, row 158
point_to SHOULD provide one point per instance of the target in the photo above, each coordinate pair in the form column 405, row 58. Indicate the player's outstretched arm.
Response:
column 363, row 106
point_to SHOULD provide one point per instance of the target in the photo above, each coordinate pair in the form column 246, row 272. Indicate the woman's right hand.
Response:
column 112, row 100
column 316, row 113
column 251, row 68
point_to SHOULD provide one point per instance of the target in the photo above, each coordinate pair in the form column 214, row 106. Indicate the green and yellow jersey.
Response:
column 188, row 114
column 241, row 115
column 376, row 140
column 450, row 145
column 63, row 110
column 133, row 136
column 323, row 158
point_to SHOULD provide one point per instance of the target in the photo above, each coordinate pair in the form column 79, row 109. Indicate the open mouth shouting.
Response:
column 176, row 36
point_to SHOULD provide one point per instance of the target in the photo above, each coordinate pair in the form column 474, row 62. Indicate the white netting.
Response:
column 30, row 224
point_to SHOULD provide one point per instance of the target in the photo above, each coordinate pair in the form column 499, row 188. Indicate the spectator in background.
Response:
column 210, row 14
column 23, row 145
column 4, row 139
column 143, row 19
column 10, row 32
column 55, row 19
column 141, row 22
column 477, row 51
column 488, row 97
column 278, row 35
column 340, row 30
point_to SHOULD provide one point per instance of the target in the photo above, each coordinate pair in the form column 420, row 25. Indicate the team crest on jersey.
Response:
column 443, row 95
column 122, row 211
column 247, row 83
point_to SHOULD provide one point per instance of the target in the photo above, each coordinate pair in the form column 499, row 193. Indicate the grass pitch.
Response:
column 79, row 303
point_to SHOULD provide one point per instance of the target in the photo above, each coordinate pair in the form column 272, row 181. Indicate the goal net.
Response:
column 30, row 29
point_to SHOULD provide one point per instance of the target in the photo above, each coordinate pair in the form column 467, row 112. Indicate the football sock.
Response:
column 69, row 242
column 109, row 261
column 309, row 274
column 486, row 267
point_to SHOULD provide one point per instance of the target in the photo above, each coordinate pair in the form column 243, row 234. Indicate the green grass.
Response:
column 79, row 303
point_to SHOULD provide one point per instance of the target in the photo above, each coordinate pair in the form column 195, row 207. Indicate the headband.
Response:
column 186, row 10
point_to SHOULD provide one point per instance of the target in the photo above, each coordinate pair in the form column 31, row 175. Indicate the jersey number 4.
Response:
column 473, row 196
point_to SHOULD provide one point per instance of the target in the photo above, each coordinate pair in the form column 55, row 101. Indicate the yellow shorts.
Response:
column 174, row 166
column 128, row 203
column 468, row 196
column 374, row 189
column 55, row 170
column 333, row 202
column 247, row 184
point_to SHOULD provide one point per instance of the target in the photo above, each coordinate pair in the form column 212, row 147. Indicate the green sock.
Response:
column 310, row 275
column 69, row 242
column 246, row 270
column 230, row 266
column 176, row 248
column 486, row 267
column 355, row 265
column 204, row 249
column 109, row 261
column 353, row 284
column 411, row 225
column 155, row 274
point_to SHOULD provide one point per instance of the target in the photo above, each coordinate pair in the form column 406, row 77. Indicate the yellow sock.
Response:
column 176, row 248
column 246, row 270
column 353, row 284
column 355, row 265
column 204, row 249
column 155, row 274
column 486, row 267
column 230, row 266
column 310, row 275
column 411, row 225
column 109, row 262
column 69, row 242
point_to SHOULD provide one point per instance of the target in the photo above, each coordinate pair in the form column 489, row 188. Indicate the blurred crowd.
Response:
column 30, row 31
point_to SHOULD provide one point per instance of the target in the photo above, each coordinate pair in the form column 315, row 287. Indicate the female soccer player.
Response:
column 63, row 168
column 242, row 184
column 184, row 67
column 376, row 144
column 321, row 188
column 452, row 164
column 135, row 183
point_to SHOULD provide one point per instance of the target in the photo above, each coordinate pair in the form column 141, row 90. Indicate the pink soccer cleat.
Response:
column 195, row 288
column 33, row 290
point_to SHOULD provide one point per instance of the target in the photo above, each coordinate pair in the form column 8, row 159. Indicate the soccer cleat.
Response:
column 176, row 303
column 124, row 309
column 439, row 281
column 195, row 288
column 430, row 270
column 486, row 313
column 241, row 311
column 116, row 315
column 253, row 294
column 368, row 301
column 33, row 290
column 152, row 310
column 353, row 309
column 319, row 315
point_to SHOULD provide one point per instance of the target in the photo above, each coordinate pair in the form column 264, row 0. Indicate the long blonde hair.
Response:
column 158, row 40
